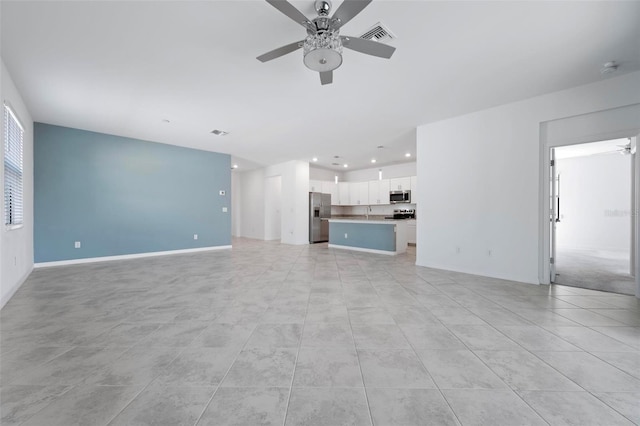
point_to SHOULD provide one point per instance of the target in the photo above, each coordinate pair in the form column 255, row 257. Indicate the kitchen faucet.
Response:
column 367, row 212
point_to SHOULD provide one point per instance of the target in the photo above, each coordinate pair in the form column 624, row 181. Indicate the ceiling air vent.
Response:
column 379, row 32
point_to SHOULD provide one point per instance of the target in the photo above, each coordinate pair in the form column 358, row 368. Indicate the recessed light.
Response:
column 373, row 160
column 346, row 165
column 219, row 132
column 336, row 156
column 335, row 164
column 314, row 159
column 408, row 154
column 380, row 146
column 235, row 166
column 166, row 121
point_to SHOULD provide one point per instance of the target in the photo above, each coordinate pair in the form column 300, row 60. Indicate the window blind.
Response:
column 13, row 135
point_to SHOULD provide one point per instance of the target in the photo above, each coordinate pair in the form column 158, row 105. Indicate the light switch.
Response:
column 224, row 210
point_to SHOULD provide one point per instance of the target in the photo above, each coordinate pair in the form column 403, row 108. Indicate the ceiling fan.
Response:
column 323, row 45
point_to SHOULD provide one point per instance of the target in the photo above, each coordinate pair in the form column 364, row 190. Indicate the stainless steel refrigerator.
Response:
column 319, row 215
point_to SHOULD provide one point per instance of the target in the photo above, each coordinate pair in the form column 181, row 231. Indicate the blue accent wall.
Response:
column 121, row 196
column 376, row 236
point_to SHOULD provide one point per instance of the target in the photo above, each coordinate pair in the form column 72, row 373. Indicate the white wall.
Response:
column 479, row 180
column 388, row 172
column 316, row 173
column 16, row 245
column 273, row 208
column 295, row 202
column 595, row 202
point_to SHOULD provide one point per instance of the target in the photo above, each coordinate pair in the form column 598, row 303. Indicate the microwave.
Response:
column 396, row 197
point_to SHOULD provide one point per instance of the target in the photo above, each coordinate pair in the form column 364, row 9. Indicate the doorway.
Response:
column 273, row 208
column 592, row 199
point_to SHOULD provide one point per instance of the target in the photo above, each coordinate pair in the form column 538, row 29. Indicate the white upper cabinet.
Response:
column 329, row 187
column 359, row 193
column 379, row 192
column 315, row 186
column 400, row 184
column 343, row 194
column 371, row 193
column 414, row 189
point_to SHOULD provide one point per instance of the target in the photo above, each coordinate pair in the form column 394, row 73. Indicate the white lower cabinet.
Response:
column 411, row 231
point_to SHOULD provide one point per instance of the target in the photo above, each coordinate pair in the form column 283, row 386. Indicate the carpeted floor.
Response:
column 595, row 269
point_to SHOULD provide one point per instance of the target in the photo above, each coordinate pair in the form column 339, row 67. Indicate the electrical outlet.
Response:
column 195, row 236
column 77, row 244
column 346, row 236
column 224, row 210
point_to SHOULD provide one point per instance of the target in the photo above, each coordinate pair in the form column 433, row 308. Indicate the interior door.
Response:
column 553, row 215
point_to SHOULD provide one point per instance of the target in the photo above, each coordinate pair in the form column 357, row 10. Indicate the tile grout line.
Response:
column 613, row 408
column 482, row 361
column 179, row 352
column 364, row 387
column 204, row 410
column 425, row 367
column 295, row 363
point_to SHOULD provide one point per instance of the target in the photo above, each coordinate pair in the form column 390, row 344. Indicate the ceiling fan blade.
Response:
column 326, row 77
column 290, row 10
column 369, row 47
column 280, row 51
column 347, row 10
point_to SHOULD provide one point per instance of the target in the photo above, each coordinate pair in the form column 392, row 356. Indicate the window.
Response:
column 13, row 134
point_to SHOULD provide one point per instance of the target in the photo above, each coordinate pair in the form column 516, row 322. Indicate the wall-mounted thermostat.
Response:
column 222, row 192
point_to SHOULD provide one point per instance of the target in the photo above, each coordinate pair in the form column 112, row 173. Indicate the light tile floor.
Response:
column 270, row 334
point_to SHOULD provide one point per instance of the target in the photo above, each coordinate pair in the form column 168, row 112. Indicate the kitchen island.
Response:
column 372, row 236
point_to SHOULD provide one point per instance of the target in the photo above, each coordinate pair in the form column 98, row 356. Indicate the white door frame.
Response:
column 553, row 216
column 593, row 127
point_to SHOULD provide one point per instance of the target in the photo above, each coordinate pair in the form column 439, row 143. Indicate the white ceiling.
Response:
column 123, row 67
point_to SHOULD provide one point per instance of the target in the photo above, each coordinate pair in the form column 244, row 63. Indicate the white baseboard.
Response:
column 366, row 250
column 6, row 297
column 125, row 256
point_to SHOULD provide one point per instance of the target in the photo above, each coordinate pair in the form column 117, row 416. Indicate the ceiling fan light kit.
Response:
column 323, row 52
column 322, row 48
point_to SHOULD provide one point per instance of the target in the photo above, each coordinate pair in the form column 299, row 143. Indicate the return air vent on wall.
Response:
column 379, row 32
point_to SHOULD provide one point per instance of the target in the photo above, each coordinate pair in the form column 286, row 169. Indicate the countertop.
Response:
column 364, row 220
column 371, row 218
